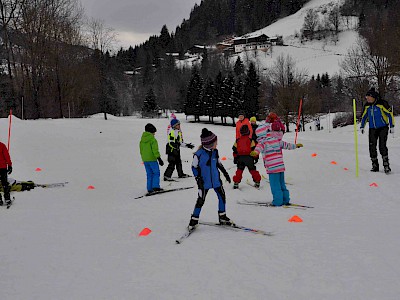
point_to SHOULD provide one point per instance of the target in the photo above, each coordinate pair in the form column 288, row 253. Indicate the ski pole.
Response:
column 9, row 131
column 298, row 121
column 355, row 134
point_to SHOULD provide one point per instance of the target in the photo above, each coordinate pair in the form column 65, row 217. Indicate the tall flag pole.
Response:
column 355, row 134
column 9, row 130
column 298, row 120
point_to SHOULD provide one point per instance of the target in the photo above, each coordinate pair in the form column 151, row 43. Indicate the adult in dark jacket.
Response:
column 5, row 170
column 380, row 117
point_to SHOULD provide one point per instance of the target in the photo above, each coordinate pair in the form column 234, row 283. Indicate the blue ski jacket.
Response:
column 378, row 114
column 205, row 165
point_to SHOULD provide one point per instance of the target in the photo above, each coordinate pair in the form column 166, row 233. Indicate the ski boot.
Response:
column 235, row 185
column 386, row 164
column 184, row 176
column 224, row 220
column 149, row 193
column 257, row 184
column 375, row 165
column 158, row 189
column 168, row 178
column 194, row 222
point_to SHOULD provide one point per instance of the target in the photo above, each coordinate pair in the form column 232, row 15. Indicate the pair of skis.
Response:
column 229, row 227
column 269, row 204
column 164, row 191
column 51, row 185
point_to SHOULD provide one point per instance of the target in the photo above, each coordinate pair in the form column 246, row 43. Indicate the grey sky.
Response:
column 136, row 20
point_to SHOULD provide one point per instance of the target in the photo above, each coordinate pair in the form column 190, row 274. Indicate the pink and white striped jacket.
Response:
column 270, row 146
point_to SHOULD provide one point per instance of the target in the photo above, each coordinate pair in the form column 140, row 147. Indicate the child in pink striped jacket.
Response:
column 270, row 145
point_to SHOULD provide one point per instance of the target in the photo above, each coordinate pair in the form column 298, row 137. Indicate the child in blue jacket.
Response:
column 206, row 166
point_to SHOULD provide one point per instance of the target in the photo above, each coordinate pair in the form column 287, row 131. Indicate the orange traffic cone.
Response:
column 145, row 231
column 296, row 219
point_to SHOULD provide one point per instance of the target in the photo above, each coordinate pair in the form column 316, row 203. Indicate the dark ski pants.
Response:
column 376, row 135
column 4, row 183
column 201, row 198
column 243, row 162
column 280, row 193
column 174, row 161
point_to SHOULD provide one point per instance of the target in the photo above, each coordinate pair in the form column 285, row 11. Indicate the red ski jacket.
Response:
column 5, row 159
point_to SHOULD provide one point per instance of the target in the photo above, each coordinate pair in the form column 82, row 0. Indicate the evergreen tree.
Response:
column 150, row 106
column 239, row 67
column 194, row 96
column 251, row 92
column 209, row 100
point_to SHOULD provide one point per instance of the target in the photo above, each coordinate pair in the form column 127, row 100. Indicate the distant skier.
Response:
column 242, row 148
column 253, row 123
column 175, row 141
column 171, row 117
column 270, row 146
column 5, row 170
column 380, row 117
column 206, row 166
column 150, row 155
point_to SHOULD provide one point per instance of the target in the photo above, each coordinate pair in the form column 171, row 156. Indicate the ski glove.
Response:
column 160, row 161
column 190, row 146
column 200, row 182
column 254, row 153
column 9, row 170
column 391, row 130
column 362, row 130
column 299, row 145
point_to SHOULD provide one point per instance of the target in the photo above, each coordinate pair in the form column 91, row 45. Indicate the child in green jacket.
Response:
column 150, row 155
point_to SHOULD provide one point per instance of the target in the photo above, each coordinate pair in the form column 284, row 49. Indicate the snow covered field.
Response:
column 75, row 243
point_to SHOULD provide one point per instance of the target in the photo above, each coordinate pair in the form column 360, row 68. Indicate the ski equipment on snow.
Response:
column 236, row 227
column 164, row 191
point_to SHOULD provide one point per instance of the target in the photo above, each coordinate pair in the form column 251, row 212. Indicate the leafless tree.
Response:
column 100, row 36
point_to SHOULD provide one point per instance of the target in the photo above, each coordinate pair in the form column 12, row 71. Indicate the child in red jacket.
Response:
column 241, row 154
column 5, row 169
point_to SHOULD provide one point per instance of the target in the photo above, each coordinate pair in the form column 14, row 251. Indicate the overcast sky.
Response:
column 136, row 20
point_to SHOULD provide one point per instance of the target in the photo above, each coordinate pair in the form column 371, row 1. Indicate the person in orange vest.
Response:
column 242, row 121
column 5, row 170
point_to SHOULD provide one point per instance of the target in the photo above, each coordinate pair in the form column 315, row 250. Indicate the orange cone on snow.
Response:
column 38, row 169
column 223, row 158
column 346, row 169
column 146, row 231
column 314, row 155
column 374, row 184
column 333, row 162
column 295, row 219
column 90, row 187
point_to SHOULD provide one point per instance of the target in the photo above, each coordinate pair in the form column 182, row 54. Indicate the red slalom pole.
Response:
column 298, row 120
column 9, row 131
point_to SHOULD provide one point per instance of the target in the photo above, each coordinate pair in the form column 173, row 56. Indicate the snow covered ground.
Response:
column 75, row 243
